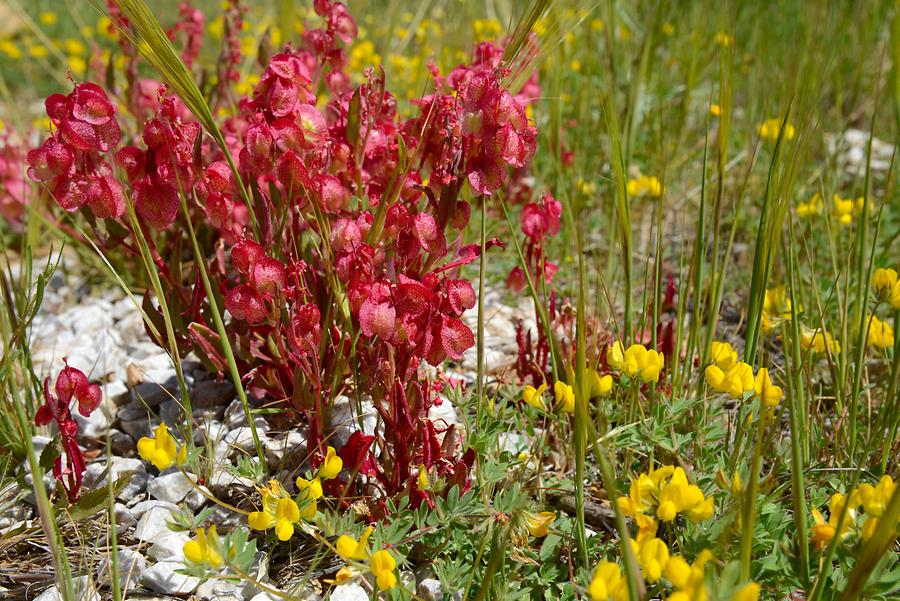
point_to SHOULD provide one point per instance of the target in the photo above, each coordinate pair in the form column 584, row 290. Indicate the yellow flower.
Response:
column 667, row 28
column 689, row 580
column 636, row 360
column 653, row 556
column 679, row 496
column 537, row 523
column 279, row 511
column 644, row 186
column 534, row 396
column 881, row 334
column 770, row 395
column 771, row 128
column 9, row 48
column 874, row 499
column 600, row 385
column 723, row 39
column 350, row 548
column 776, row 302
column 332, row 465
column 883, row 282
column 422, row 483
column 810, row 208
column 48, row 18
column 77, row 65
column 737, row 380
column 74, row 46
column 607, row 583
column 818, row 341
column 565, row 397
column 715, row 110
column 487, row 29
column 309, row 491
column 38, row 51
column 748, row 592
column 723, row 355
column 597, row 25
column 823, row 532
column 205, row 549
column 161, row 450
column 843, row 210
column 382, row 565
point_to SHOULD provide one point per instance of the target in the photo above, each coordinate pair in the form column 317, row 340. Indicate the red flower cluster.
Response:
column 348, row 279
column 70, row 384
column 71, row 159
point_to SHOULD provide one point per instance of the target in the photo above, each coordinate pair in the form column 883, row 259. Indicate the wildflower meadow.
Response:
column 449, row 300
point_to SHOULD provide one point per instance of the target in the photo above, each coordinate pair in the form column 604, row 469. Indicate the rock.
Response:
column 429, row 589
column 345, row 419
column 224, row 590
column 82, row 586
column 153, row 524
column 223, row 481
column 172, row 486
column 94, row 426
column 445, row 414
column 235, row 415
column 125, row 519
column 240, row 439
column 205, row 395
column 264, row 596
column 121, row 443
column 289, row 446
column 168, row 545
column 163, row 578
column 95, row 475
column 131, row 567
column 139, row 509
column 349, row 592
column 116, row 391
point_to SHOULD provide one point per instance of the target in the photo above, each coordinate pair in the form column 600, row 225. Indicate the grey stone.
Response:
column 168, row 545
column 139, row 509
column 82, row 586
column 240, row 439
column 224, row 590
column 349, row 592
column 95, row 475
column 172, row 486
column 131, row 566
column 289, row 446
column 163, row 578
column 153, row 524
column 429, row 589
column 345, row 419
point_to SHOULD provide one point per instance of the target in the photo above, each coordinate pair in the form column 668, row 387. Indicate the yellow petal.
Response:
column 284, row 530
column 193, row 551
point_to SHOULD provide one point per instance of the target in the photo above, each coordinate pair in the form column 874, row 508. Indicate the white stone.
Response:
column 162, row 578
column 349, row 592
column 429, row 589
column 345, row 415
column 224, row 590
column 172, row 487
column 153, row 524
column 131, row 566
column 142, row 507
column 240, row 439
column 82, row 587
column 169, row 545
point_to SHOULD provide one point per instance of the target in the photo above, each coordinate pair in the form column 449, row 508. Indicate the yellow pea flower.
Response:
column 350, row 548
column 332, row 465
column 534, row 396
column 770, row 395
column 600, row 385
column 689, row 580
column 677, row 495
column 735, row 382
column 844, row 208
column 636, row 360
column 161, row 450
column 723, row 39
column 883, row 280
column 48, row 18
column 565, row 397
column 874, row 499
column 723, row 355
column 607, row 583
column 776, row 302
column 279, row 511
column 537, row 523
column 422, row 481
column 382, row 565
column 653, row 556
column 811, row 207
column 818, row 341
column 748, row 592
column 881, row 334
column 205, row 549
column 715, row 110
column 644, row 185
column 823, row 532
column 770, row 129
